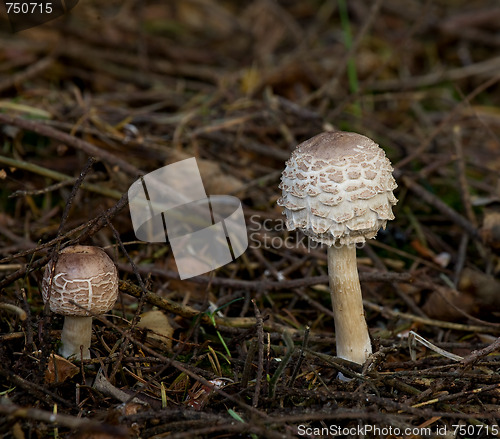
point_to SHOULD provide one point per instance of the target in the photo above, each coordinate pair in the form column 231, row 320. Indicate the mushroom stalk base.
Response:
column 351, row 331
column 77, row 331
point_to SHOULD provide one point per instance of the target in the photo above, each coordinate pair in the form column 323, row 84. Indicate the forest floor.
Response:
column 93, row 100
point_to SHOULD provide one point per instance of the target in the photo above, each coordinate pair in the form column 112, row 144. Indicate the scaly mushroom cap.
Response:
column 337, row 188
column 84, row 275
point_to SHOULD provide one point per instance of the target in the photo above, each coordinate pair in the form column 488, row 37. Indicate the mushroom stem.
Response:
column 351, row 331
column 76, row 332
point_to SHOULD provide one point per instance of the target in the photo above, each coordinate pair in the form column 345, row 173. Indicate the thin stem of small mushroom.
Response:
column 351, row 331
column 76, row 332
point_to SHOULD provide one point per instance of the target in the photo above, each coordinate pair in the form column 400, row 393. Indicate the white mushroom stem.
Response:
column 351, row 331
column 76, row 333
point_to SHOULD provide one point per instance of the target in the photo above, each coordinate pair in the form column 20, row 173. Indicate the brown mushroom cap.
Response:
column 85, row 275
column 337, row 188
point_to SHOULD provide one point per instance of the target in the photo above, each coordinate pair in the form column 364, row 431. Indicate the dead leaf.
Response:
column 250, row 80
column 477, row 293
column 158, row 326
column 437, row 306
column 422, row 250
column 59, row 370
column 483, row 287
column 215, row 180
column 490, row 231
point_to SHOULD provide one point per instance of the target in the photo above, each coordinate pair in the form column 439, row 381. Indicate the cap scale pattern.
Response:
column 337, row 188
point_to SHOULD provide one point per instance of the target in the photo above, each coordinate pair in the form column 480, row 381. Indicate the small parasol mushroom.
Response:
column 85, row 283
